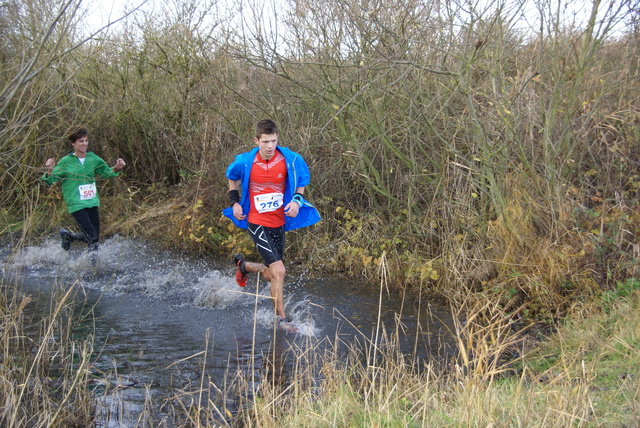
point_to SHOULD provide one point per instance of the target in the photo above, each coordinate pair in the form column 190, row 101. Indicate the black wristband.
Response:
column 234, row 196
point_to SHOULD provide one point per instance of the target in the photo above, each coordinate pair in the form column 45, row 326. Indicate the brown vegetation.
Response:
column 495, row 164
column 479, row 157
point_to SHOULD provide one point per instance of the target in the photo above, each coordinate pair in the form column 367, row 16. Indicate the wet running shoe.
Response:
column 286, row 325
column 284, row 320
column 241, row 273
column 93, row 253
column 66, row 239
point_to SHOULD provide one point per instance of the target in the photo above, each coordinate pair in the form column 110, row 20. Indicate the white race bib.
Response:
column 268, row 202
column 87, row 191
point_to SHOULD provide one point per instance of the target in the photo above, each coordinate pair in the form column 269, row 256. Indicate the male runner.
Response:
column 266, row 187
column 77, row 173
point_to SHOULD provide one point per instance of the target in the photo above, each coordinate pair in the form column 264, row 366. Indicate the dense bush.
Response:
column 474, row 153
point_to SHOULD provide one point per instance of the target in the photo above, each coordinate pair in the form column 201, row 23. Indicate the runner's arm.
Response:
column 237, row 208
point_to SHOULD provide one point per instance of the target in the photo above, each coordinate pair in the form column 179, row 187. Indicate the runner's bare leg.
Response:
column 274, row 274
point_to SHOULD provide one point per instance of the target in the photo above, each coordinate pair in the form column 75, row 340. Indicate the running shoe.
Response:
column 66, row 239
column 93, row 253
column 241, row 273
column 286, row 325
column 284, row 320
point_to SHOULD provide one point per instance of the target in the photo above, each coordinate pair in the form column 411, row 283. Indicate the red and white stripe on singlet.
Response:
column 267, row 176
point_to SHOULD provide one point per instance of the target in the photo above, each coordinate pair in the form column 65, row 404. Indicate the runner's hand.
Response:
column 291, row 210
column 119, row 164
column 237, row 212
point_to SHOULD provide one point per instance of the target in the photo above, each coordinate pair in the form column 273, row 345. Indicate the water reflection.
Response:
column 164, row 322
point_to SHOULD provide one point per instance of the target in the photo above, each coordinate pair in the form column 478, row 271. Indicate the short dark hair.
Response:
column 76, row 133
column 266, row 127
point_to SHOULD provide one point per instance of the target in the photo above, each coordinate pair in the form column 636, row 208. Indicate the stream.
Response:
column 156, row 315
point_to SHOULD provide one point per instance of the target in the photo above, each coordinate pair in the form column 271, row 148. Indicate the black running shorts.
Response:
column 269, row 242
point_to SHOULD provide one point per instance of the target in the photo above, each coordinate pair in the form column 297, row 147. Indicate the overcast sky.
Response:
column 576, row 11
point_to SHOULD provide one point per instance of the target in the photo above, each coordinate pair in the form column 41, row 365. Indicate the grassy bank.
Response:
column 585, row 374
column 505, row 373
column 470, row 153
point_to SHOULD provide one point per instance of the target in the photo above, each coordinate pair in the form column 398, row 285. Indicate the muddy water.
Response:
column 158, row 317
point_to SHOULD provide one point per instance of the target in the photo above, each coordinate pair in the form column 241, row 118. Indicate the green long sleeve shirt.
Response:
column 78, row 180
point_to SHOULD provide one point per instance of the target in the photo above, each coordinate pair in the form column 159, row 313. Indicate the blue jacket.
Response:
column 297, row 176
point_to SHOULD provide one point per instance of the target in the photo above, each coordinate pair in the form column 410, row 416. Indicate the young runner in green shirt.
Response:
column 77, row 172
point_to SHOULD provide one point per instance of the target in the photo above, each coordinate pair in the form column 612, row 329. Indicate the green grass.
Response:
column 585, row 374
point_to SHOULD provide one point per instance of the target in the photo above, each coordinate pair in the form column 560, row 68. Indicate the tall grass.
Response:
column 580, row 375
column 493, row 165
column 44, row 375
column 502, row 373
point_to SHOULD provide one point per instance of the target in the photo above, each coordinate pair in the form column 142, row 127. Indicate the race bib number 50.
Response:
column 87, row 191
column 268, row 202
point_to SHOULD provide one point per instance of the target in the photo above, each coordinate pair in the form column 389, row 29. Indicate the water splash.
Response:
column 217, row 291
column 155, row 310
